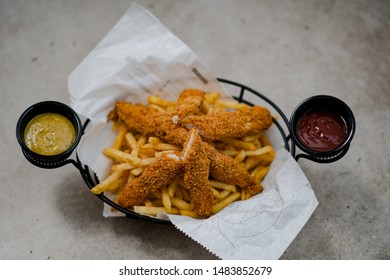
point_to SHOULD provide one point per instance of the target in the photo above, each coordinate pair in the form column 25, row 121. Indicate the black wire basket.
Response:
column 242, row 94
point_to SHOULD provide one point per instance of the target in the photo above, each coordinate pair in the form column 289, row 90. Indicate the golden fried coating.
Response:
column 189, row 102
column 196, row 174
column 155, row 176
column 150, row 123
column 225, row 169
column 166, row 129
column 221, row 125
column 137, row 117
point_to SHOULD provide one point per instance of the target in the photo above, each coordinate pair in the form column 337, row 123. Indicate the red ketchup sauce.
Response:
column 321, row 130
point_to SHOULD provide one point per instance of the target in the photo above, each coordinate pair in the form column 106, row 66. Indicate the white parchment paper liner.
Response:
column 139, row 57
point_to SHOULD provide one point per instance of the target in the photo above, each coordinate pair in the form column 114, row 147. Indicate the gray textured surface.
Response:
column 288, row 50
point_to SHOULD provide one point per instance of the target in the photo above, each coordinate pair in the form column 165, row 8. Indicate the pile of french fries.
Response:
column 131, row 153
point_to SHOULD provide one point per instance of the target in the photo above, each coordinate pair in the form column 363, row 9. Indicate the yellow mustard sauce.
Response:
column 49, row 134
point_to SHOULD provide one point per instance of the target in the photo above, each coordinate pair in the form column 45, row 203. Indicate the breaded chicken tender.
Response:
column 196, row 174
column 150, row 123
column 221, row 125
column 189, row 102
column 155, row 176
column 135, row 116
column 225, row 169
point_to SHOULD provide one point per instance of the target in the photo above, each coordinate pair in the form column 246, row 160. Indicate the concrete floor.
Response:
column 288, row 50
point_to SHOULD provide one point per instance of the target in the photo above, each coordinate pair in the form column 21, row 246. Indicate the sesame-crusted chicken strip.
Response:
column 135, row 116
column 166, row 129
column 221, row 125
column 163, row 125
column 148, row 122
column 154, row 177
column 226, row 169
column 196, row 174
column 189, row 102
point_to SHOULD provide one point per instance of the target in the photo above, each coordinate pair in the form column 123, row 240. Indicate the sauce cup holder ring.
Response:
column 47, row 164
column 48, row 161
column 324, row 158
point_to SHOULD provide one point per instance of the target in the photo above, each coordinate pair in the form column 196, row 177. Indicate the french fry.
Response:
column 260, row 151
column 148, row 146
column 116, row 187
column 259, row 172
column 116, row 125
column 152, row 210
column 121, row 156
column 230, row 152
column 166, row 200
column 147, row 161
column 225, row 202
column 112, row 179
column 243, row 194
column 186, row 195
column 223, row 194
column 141, row 141
column 122, row 166
column 251, row 153
column 181, row 204
column 154, row 140
column 126, row 166
column 132, row 143
column 157, row 108
column 119, row 137
column 157, row 100
column 146, row 153
column 240, row 156
column 230, row 104
column 189, row 213
column 210, row 110
column 252, row 162
column 215, row 193
column 172, row 189
column 162, row 147
column 249, row 138
column 137, row 171
column 205, row 107
column 211, row 97
column 239, row 144
column 130, row 178
column 223, row 186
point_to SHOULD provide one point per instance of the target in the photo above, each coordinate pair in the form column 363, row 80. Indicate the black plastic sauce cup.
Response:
column 45, row 161
column 324, row 103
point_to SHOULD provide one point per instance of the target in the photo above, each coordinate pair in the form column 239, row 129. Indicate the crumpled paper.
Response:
column 139, row 57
